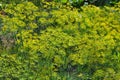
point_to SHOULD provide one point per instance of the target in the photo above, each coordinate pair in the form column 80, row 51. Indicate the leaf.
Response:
column 74, row 0
column 64, row 1
column 80, row 1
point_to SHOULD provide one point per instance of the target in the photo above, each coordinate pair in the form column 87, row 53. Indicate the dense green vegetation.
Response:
column 75, row 3
column 56, row 41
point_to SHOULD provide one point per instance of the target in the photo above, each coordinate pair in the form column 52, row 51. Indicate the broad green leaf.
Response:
column 64, row 1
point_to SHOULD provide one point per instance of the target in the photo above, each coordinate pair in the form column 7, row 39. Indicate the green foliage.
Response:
column 58, row 42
